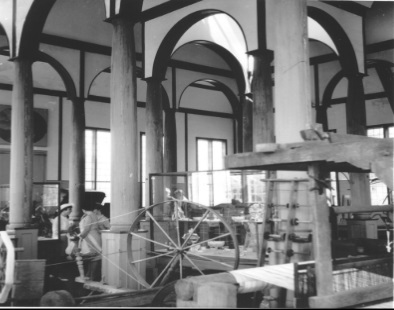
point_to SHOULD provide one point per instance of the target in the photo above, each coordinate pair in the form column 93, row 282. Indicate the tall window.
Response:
column 98, row 161
column 210, row 156
column 380, row 193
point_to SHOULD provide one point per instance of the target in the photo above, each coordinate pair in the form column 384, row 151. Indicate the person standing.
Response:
column 103, row 221
column 90, row 243
column 65, row 210
column 60, row 226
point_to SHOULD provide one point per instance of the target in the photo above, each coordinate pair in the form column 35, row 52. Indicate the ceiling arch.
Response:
column 63, row 73
column 217, row 86
column 346, row 54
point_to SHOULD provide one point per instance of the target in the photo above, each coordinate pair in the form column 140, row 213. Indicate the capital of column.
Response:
column 154, row 79
column 121, row 17
column 262, row 53
column 354, row 75
column 246, row 96
column 28, row 58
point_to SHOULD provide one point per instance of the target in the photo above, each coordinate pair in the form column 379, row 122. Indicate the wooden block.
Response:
column 29, row 279
column 216, row 295
column 266, row 147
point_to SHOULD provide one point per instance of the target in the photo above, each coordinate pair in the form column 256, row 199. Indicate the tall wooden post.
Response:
column 170, row 141
column 77, row 158
column 124, row 154
column 321, row 232
column 356, row 124
column 170, row 154
column 21, row 174
column 124, row 131
column 263, row 111
column 154, row 138
column 293, row 111
column 247, row 124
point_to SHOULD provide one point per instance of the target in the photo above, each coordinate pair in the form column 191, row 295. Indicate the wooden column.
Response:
column 124, row 155
column 124, row 130
column 154, row 137
column 247, row 124
column 293, row 111
column 170, row 141
column 263, row 112
column 21, row 173
column 321, row 232
column 77, row 158
column 356, row 124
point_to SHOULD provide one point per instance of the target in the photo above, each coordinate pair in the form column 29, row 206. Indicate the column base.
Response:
column 116, row 269
column 26, row 238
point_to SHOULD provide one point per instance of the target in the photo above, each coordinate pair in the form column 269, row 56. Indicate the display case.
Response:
column 237, row 196
column 45, row 206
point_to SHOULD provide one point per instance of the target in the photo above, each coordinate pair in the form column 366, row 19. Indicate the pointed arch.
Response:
column 63, row 73
column 347, row 56
column 32, row 28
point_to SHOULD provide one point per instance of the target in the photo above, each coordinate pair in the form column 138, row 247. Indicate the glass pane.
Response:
column 218, row 149
column 202, row 188
column 103, row 172
column 202, row 156
column 106, row 188
column 89, row 155
column 375, row 132
column 236, row 186
column 256, row 187
column 391, row 132
column 379, row 193
column 221, row 187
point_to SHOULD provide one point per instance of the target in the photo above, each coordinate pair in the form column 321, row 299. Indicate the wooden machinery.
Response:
column 323, row 278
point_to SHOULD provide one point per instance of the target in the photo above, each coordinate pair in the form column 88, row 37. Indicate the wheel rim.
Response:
column 7, row 264
column 168, row 242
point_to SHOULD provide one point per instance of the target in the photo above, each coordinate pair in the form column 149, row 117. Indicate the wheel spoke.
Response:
column 172, row 252
column 153, row 257
column 194, row 228
column 171, row 263
column 163, row 231
column 210, row 259
column 194, row 265
column 150, row 240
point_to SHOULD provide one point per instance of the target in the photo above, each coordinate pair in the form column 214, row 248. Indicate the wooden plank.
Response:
column 352, row 297
column 363, row 208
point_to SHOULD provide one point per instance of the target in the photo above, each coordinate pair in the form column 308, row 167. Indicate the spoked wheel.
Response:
column 7, row 265
column 179, row 248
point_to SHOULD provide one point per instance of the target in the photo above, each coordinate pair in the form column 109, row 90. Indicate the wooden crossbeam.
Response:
column 350, row 153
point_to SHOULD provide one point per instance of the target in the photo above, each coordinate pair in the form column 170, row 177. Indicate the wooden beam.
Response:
column 355, row 154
